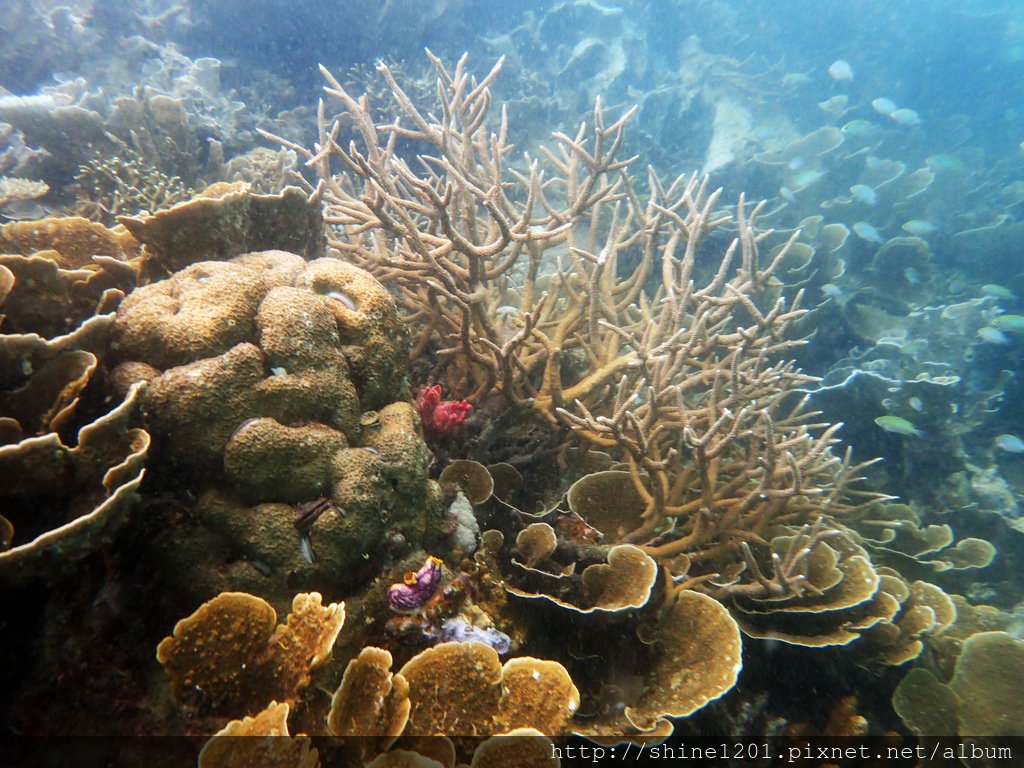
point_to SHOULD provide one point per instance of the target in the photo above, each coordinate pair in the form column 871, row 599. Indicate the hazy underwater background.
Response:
column 501, row 372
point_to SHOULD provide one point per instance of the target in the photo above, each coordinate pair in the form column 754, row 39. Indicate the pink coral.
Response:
column 440, row 416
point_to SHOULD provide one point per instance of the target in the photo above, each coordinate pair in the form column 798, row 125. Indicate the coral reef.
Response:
column 227, row 220
column 74, row 469
column 670, row 386
column 273, row 382
column 228, row 656
column 227, row 749
column 981, row 699
column 546, row 423
column 231, row 653
column 723, row 484
column 65, row 502
column 15, row 190
column 126, row 183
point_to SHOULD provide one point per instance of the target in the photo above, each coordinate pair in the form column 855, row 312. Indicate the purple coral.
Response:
column 460, row 630
column 417, row 588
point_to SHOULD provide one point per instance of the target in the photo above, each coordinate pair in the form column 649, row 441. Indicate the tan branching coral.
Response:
column 826, row 592
column 231, row 653
column 534, row 287
column 14, row 190
column 126, row 184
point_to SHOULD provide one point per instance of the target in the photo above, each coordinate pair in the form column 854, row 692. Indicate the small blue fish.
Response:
column 1010, row 443
column 805, row 179
column 898, row 426
column 944, row 162
column 1009, row 323
column 883, row 106
column 859, row 128
column 918, row 227
column 833, row 291
column 904, row 116
column 795, row 79
column 865, row 231
column 916, row 404
column 840, row 70
column 787, row 194
column 997, row 291
column 991, row 335
column 911, row 276
column 862, row 193
column 306, row 548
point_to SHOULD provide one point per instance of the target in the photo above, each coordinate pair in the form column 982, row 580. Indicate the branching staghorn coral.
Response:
column 126, row 184
column 13, row 190
column 536, row 288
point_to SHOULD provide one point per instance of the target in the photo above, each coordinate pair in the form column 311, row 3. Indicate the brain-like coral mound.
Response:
column 276, row 392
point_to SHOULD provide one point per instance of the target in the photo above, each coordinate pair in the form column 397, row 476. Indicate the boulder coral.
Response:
column 275, row 384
